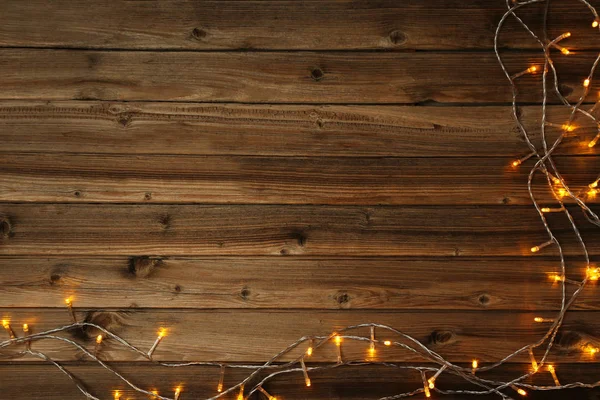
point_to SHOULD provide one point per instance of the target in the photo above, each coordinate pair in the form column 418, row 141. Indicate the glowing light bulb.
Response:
column 117, row 395
column 221, row 379
column 566, row 52
column 534, row 363
column 305, row 373
column 551, row 210
column 425, row 385
column 568, row 128
column 593, row 274
column 162, row 332
column 586, row 82
column 566, row 34
column 594, row 184
column 25, row 328
column 177, row 393
column 338, row 346
column 595, row 23
column 474, row 364
column 372, row 343
column 553, row 373
column 540, row 319
column 431, row 381
column 68, row 302
column 6, row 325
column 522, row 392
column 592, row 193
column 154, row 393
column 593, row 142
column 532, row 69
column 387, row 343
column 99, row 339
column 535, row 249
column 516, row 163
column 240, row 395
column 591, row 350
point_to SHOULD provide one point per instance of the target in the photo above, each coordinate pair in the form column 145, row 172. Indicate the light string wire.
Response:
column 262, row 374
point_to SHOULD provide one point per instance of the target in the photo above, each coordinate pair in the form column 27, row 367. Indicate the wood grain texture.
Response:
column 38, row 381
column 276, row 130
column 282, row 77
column 277, row 180
column 289, row 282
column 312, row 25
column 241, row 335
column 282, row 230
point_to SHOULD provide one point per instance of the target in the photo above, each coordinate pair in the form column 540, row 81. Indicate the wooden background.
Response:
column 249, row 172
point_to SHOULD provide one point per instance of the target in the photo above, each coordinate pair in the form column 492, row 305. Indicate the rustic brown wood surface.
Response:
column 55, row 229
column 457, row 336
column 276, row 130
column 348, row 382
column 280, row 25
column 246, row 173
column 277, row 180
column 282, row 77
column 390, row 283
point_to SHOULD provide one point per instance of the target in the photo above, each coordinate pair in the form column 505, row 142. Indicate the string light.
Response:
column 221, row 379
column 595, row 23
column 591, row 350
column 338, row 346
column 474, row 366
column 425, row 385
column 387, row 343
column 98, row 344
column 263, row 391
column 240, row 395
column 305, row 372
column 586, row 82
column 593, row 274
column 26, row 331
column 7, row 327
column 553, row 373
column 552, row 210
column 177, row 393
column 535, row 249
column 69, row 303
column 521, row 160
column 162, row 332
column 117, row 395
column 309, row 350
column 372, row 343
column 519, row 390
column 531, row 70
column 534, row 363
column 431, row 381
column 540, row 319
column 594, row 141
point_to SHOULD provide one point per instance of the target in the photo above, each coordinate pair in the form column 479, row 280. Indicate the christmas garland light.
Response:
column 544, row 164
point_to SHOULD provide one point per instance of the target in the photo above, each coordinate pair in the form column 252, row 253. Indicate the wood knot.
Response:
column 142, row 267
column 148, row 196
column 124, row 120
column 198, row 33
column 317, row 74
column 165, row 221
column 506, row 200
column 245, row 293
column 177, row 289
column 5, row 228
column 484, row 299
column 77, row 193
column 397, row 38
column 342, row 298
column 442, row 337
column 300, row 238
column 110, row 320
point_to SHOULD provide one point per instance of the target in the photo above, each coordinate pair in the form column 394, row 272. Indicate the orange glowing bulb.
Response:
column 595, row 23
column 387, row 343
column 99, row 339
column 522, row 392
column 586, row 82
column 532, row 69
column 162, row 332
column 475, row 364
column 5, row 323
column 338, row 340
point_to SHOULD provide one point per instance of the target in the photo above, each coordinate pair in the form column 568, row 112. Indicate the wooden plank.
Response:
column 347, row 382
column 290, row 282
column 281, row 77
column 277, row 180
column 313, row 25
column 276, row 130
column 282, row 230
column 241, row 335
